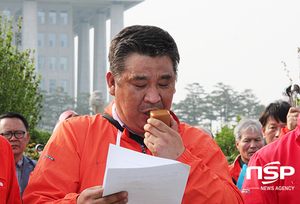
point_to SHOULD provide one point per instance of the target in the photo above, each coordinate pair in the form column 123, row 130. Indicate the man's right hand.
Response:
column 291, row 118
column 94, row 195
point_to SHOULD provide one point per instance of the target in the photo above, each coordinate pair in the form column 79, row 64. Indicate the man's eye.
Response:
column 140, row 86
column 163, row 85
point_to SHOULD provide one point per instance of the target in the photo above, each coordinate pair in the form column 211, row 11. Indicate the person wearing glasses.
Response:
column 14, row 127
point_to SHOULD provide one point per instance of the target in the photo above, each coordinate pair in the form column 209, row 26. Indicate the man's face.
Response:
column 146, row 84
column 14, row 125
column 272, row 130
column 250, row 142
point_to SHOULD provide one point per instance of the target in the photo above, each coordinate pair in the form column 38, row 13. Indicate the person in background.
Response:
column 248, row 139
column 276, row 118
column 143, row 71
column 9, row 188
column 204, row 129
column 14, row 127
column 274, row 172
column 64, row 116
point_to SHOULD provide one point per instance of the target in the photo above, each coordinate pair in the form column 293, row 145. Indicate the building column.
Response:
column 100, row 56
column 29, row 28
column 117, row 18
column 83, row 81
column 83, row 84
column 117, row 23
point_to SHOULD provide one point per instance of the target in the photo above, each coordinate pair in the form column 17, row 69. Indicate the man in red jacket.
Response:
column 277, row 119
column 273, row 172
column 143, row 71
column 248, row 139
column 9, row 188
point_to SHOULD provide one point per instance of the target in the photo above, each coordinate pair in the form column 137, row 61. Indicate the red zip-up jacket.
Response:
column 278, row 183
column 235, row 169
column 9, row 188
column 75, row 158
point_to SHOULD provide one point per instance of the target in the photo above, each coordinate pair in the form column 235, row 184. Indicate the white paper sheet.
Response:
column 147, row 179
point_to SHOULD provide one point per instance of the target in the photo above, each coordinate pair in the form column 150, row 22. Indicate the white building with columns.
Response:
column 49, row 27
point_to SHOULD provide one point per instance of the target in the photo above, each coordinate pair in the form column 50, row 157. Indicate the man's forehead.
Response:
column 252, row 136
column 272, row 121
column 11, row 122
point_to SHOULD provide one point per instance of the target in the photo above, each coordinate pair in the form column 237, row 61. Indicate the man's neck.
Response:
column 116, row 117
column 242, row 162
column 18, row 157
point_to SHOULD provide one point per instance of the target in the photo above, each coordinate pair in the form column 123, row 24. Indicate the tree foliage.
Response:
column 190, row 110
column 225, row 103
column 222, row 105
column 83, row 104
column 226, row 141
column 19, row 82
column 54, row 104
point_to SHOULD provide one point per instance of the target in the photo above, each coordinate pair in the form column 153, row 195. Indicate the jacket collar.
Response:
column 236, row 161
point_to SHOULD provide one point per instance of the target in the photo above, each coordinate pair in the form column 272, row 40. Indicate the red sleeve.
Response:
column 209, row 178
column 8, row 178
column 46, row 185
column 253, row 190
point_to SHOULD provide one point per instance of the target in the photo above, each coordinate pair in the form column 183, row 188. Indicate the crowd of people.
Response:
column 142, row 76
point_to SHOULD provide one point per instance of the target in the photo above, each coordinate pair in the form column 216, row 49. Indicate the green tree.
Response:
column 83, row 104
column 222, row 105
column 192, row 109
column 19, row 82
column 225, row 102
column 249, row 105
column 53, row 105
column 226, row 141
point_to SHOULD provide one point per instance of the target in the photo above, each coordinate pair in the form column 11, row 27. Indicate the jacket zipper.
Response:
column 143, row 149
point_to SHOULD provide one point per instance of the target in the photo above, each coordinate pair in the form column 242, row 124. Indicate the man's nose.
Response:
column 152, row 95
column 13, row 137
column 278, row 132
column 252, row 144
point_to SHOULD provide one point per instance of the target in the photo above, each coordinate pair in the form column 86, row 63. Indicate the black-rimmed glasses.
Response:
column 17, row 134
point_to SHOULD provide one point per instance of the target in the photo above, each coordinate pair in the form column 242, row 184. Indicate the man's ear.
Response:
column 110, row 79
column 237, row 145
column 27, row 136
column 263, row 132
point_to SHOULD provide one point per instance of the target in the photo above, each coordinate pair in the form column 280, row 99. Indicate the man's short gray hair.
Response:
column 244, row 125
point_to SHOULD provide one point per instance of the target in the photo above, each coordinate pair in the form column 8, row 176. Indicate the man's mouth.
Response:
column 14, row 146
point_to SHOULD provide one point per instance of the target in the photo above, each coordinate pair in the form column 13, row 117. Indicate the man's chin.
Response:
column 16, row 149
